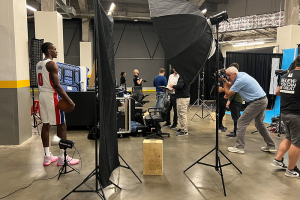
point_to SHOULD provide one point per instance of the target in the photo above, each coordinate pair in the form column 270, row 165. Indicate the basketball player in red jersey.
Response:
column 49, row 89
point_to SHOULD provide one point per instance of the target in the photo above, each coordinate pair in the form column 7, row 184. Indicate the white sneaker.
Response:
column 236, row 150
column 268, row 148
column 295, row 173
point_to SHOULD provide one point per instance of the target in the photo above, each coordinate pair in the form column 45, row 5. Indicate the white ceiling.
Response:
column 132, row 9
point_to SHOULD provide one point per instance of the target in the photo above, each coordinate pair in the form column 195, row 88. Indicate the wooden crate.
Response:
column 153, row 157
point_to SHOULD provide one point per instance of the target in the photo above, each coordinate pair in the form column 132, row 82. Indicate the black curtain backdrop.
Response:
column 107, row 112
column 209, row 70
column 257, row 50
column 257, row 65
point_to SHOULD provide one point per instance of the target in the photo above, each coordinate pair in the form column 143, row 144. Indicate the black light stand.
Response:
column 34, row 115
column 218, row 166
column 98, row 186
column 203, row 105
column 63, row 169
column 36, row 55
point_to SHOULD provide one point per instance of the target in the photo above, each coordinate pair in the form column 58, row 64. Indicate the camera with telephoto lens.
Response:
column 281, row 72
column 222, row 73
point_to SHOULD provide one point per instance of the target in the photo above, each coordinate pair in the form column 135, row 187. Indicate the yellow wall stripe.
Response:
column 14, row 84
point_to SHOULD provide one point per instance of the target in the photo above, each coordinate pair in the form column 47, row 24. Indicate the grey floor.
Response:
column 22, row 164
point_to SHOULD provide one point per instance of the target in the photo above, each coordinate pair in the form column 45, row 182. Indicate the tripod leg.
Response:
column 195, row 113
column 221, row 173
column 199, row 159
column 74, row 169
column 130, row 168
column 115, row 185
column 100, row 195
column 230, row 161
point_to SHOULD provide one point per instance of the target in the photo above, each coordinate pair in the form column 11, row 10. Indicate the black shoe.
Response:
column 178, row 131
column 223, row 127
column 232, row 134
column 182, row 133
column 173, row 127
column 166, row 124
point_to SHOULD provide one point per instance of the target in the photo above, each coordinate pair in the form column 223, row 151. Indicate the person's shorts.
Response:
column 292, row 125
column 50, row 113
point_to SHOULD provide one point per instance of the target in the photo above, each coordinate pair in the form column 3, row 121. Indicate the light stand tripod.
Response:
column 218, row 166
column 203, row 105
column 34, row 115
column 99, row 67
column 63, row 169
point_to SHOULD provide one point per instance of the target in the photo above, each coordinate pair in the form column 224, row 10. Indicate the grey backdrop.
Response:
column 132, row 52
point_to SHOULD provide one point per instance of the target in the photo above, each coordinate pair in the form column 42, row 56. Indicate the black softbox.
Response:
column 105, row 67
column 185, row 35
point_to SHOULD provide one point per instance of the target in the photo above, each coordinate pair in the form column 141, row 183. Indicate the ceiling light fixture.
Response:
column 30, row 8
column 248, row 44
column 112, row 7
column 204, row 11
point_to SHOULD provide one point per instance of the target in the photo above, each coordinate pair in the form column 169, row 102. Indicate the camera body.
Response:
column 222, row 73
column 66, row 143
column 281, row 72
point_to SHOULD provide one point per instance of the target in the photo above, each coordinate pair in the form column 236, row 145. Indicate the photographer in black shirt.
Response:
column 289, row 90
column 137, row 81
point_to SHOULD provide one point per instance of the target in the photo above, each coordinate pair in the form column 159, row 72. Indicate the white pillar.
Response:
column 49, row 26
column 85, row 29
column 86, row 56
column 15, row 101
column 288, row 35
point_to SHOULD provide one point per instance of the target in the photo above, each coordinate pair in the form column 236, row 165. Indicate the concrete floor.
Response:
column 22, row 164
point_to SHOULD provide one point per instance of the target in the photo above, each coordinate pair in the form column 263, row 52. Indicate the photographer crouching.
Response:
column 251, row 92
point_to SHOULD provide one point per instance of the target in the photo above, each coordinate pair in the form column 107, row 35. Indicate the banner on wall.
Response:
column 274, row 78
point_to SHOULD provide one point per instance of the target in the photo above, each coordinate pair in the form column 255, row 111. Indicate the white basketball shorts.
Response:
column 50, row 113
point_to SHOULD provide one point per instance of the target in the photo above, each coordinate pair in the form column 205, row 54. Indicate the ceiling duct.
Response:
column 270, row 20
column 66, row 11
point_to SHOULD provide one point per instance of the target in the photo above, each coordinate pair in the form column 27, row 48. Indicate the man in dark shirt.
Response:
column 137, row 81
column 234, row 103
column 222, row 106
column 289, row 90
column 123, row 80
column 182, row 94
column 158, row 81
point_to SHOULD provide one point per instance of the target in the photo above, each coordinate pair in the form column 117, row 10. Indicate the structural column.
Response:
column 15, row 102
column 86, row 46
column 49, row 26
column 288, row 35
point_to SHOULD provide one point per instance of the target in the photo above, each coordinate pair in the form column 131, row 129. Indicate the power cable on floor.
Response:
column 44, row 178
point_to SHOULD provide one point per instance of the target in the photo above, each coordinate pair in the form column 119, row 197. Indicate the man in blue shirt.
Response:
column 160, row 80
column 251, row 92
